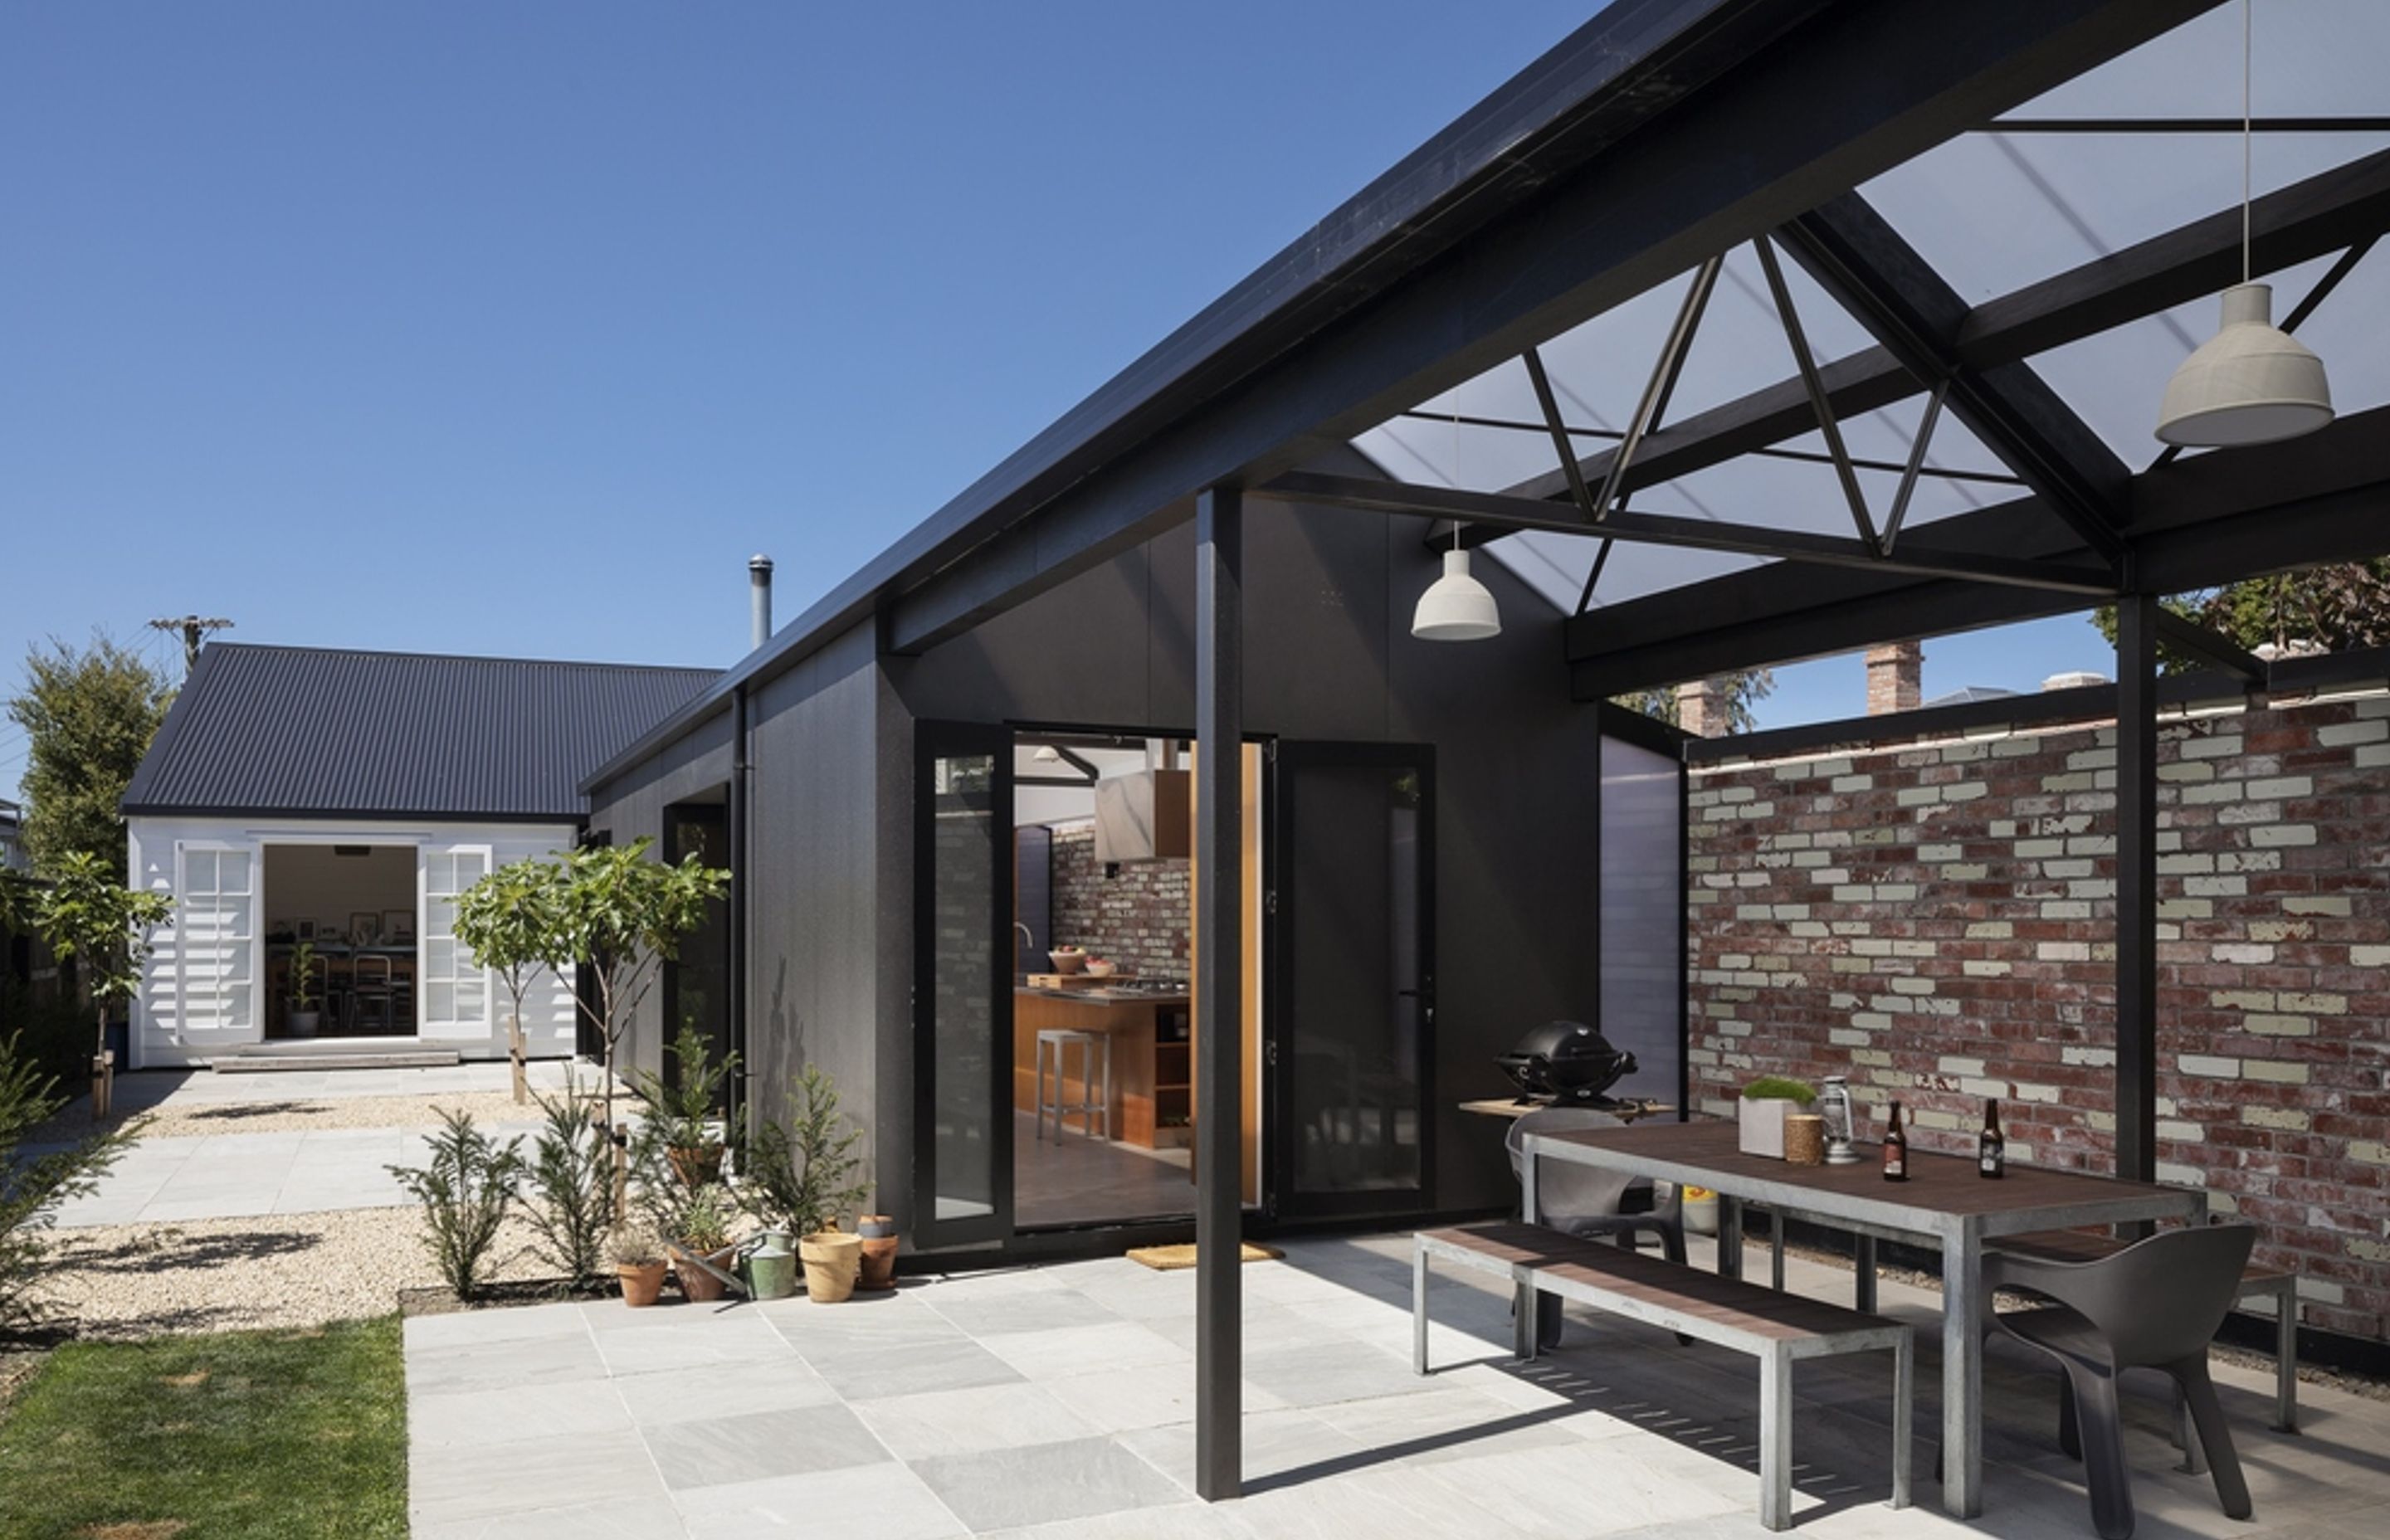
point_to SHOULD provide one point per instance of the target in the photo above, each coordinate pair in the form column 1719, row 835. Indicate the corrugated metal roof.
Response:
column 291, row 730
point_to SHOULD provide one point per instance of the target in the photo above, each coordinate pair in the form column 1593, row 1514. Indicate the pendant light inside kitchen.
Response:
column 1456, row 607
column 2252, row 382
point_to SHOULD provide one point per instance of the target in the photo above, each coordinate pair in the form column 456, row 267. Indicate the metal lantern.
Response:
column 1835, row 1105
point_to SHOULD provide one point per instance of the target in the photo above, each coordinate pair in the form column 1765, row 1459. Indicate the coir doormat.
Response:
column 1170, row 1259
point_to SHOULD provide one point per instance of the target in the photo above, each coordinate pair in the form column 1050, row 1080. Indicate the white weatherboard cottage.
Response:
column 342, row 799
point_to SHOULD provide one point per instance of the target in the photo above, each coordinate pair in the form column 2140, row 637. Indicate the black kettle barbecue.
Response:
column 1567, row 1061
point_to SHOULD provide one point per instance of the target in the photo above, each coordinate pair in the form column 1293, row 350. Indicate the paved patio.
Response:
column 1057, row 1401
column 236, row 1175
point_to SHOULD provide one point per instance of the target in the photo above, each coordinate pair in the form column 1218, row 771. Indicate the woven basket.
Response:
column 1804, row 1140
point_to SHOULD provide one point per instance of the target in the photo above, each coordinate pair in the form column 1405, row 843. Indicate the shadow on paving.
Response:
column 1706, row 1400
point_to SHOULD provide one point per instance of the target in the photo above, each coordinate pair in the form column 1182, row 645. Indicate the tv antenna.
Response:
column 196, row 629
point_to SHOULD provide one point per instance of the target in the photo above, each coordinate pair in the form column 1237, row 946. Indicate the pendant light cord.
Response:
column 2248, row 134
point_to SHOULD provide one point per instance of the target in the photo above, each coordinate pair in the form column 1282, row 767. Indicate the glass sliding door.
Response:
column 962, row 991
column 1352, row 1024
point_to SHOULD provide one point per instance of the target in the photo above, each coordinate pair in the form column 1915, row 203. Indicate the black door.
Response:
column 962, row 990
column 1351, row 1028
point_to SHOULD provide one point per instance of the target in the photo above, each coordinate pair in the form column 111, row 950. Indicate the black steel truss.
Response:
column 2332, row 211
column 1495, row 510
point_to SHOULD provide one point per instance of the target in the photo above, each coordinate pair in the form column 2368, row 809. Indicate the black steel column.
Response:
column 1219, row 991
column 2136, row 887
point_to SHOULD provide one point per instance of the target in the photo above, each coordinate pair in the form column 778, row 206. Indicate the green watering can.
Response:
column 771, row 1268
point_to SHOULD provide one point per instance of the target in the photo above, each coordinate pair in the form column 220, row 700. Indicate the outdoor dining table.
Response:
column 1944, row 1203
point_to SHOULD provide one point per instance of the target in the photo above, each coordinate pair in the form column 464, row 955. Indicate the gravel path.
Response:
column 130, row 1281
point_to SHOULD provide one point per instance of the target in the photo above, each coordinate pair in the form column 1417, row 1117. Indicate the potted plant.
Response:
column 833, row 1259
column 303, row 1015
column 686, row 1107
column 638, row 1259
column 1767, row 1102
column 705, row 1235
column 800, row 1176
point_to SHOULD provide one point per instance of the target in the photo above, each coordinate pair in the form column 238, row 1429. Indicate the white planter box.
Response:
column 1762, row 1125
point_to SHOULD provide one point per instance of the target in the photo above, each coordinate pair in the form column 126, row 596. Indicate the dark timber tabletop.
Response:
column 1944, row 1203
column 1938, row 1185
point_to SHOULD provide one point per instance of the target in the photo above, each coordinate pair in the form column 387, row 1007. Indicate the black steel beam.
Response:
column 2323, row 214
column 2310, row 219
column 1889, row 288
column 2345, row 125
column 2189, row 639
column 1219, row 993
column 2209, row 520
column 2136, row 887
column 1492, row 509
column 1756, row 129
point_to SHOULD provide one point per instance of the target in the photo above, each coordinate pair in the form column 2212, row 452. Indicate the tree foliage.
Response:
column 2334, row 609
column 623, row 916
column 87, row 914
column 510, row 921
column 88, row 717
column 1743, row 691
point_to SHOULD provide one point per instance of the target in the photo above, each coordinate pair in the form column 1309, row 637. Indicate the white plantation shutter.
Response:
column 215, row 935
column 453, row 992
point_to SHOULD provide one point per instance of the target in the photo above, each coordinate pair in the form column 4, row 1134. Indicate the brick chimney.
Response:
column 1700, row 708
column 1895, row 677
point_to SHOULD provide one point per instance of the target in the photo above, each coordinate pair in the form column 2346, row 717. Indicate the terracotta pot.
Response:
column 700, row 1286
column 833, row 1260
column 880, row 1242
column 641, row 1283
column 695, row 1168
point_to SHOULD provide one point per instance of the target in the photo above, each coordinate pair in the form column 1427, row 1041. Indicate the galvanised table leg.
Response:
column 1962, row 1371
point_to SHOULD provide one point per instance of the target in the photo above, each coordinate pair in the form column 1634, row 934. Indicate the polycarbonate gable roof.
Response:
column 1992, row 211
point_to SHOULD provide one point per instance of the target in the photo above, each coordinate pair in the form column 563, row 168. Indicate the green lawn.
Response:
column 246, row 1434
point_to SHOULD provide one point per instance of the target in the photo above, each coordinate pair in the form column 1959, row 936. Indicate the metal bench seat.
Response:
column 1778, row 1330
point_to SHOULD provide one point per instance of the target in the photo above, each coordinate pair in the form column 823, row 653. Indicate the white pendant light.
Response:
column 2252, row 382
column 1456, row 607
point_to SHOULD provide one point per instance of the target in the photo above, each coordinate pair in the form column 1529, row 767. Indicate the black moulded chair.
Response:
column 1580, row 1200
column 2155, row 1304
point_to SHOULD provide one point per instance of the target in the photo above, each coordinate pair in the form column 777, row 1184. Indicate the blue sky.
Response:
column 514, row 328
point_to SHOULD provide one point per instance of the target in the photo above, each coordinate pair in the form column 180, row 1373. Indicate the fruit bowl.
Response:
column 1099, row 969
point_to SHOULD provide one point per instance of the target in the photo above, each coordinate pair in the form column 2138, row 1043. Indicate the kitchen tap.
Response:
column 1027, row 934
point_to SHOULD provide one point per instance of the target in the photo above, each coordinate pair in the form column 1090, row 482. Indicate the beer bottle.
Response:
column 1896, row 1148
column 1991, row 1150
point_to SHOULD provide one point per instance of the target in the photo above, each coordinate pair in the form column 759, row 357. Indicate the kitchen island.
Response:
column 1152, row 1083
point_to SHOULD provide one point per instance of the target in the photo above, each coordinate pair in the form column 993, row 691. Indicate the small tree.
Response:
column 86, row 915
column 32, row 1187
column 623, row 916
column 510, row 919
column 804, row 1174
column 464, row 1192
column 88, row 718
column 569, row 1181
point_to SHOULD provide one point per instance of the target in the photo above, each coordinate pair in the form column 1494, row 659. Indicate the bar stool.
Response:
column 1091, row 1045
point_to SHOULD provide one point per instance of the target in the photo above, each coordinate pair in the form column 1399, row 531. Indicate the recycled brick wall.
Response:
column 1937, row 923
column 1137, row 917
